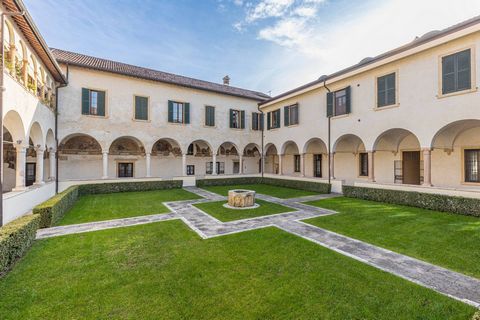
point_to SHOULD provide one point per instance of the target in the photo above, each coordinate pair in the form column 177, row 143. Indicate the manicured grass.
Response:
column 274, row 191
column 165, row 271
column 101, row 207
column 217, row 210
column 448, row 240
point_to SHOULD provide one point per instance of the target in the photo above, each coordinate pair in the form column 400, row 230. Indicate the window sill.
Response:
column 273, row 129
column 293, row 125
column 457, row 93
column 477, row 184
column 340, row 116
column 139, row 120
column 237, row 129
column 178, row 123
column 392, row 106
column 95, row 117
column 209, row 127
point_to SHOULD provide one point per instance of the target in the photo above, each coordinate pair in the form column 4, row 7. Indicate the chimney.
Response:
column 226, row 80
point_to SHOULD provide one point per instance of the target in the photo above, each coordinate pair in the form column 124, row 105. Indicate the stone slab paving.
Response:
column 447, row 282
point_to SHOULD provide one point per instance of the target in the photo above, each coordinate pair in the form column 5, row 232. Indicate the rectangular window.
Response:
column 178, row 112
column 190, row 170
column 290, row 115
column 93, row 102
column 257, row 121
column 338, row 102
column 296, row 161
column 141, row 108
column 125, row 170
column 472, row 165
column 456, row 72
column 386, row 87
column 209, row 116
column 220, row 167
column 273, row 119
column 363, row 165
column 237, row 119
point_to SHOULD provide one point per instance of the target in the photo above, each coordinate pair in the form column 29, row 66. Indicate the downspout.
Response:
column 56, row 129
column 329, row 138
column 262, row 160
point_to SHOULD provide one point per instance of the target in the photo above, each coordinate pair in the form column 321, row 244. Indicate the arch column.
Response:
column 13, row 53
column 240, row 160
column 105, row 165
column 302, row 164
column 25, row 72
column 371, row 166
column 39, row 166
column 184, row 164
column 20, row 167
column 52, row 158
column 148, row 164
column 280, row 164
column 332, row 165
column 214, row 164
column 427, row 167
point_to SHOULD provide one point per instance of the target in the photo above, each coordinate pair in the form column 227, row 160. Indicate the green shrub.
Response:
column 113, row 187
column 437, row 202
column 319, row 187
column 476, row 316
column 15, row 239
column 52, row 210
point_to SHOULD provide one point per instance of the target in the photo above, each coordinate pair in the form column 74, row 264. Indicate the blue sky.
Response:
column 265, row 45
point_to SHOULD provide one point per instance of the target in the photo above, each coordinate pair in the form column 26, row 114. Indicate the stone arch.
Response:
column 252, row 150
column 290, row 147
column 271, row 159
column 166, row 147
column 50, row 139
column 315, row 145
column 24, row 50
column 445, row 137
column 126, row 145
column 391, row 139
column 14, row 124
column 79, row 143
column 348, row 143
column 36, row 135
column 200, row 148
column 315, row 158
column 11, row 33
column 228, row 148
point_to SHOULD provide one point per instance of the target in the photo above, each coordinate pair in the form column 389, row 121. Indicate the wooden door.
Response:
column 317, row 165
column 411, row 167
column 30, row 172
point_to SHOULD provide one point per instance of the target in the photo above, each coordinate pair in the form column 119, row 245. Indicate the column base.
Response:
column 427, row 185
column 104, row 178
column 39, row 183
column 18, row 189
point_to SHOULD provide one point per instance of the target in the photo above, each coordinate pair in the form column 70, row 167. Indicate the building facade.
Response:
column 408, row 119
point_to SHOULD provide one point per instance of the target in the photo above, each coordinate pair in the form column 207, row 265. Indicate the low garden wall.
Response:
column 319, row 187
column 438, row 202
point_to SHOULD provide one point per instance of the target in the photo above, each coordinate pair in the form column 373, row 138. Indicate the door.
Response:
column 411, row 167
column 317, row 165
column 125, row 170
column 30, row 172
column 236, row 167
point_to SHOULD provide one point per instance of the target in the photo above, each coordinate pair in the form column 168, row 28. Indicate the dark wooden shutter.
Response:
column 186, row 113
column 231, row 118
column 254, row 121
column 141, row 108
column 212, row 116
column 329, row 104
column 85, row 101
column 101, row 103
column 278, row 118
column 242, row 119
column 170, row 111
column 463, row 66
column 286, row 116
column 269, row 120
column 348, row 98
column 262, row 118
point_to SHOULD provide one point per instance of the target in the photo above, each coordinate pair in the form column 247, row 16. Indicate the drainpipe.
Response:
column 329, row 138
column 56, row 129
column 2, row 90
column 262, row 161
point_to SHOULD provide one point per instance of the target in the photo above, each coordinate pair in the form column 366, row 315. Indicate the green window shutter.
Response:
column 463, row 65
column 286, row 116
column 231, row 118
column 348, row 98
column 278, row 118
column 269, row 117
column 85, row 101
column 212, row 116
column 261, row 121
column 170, row 111
column 254, row 121
column 329, row 104
column 186, row 111
column 101, row 103
column 242, row 119
column 207, row 116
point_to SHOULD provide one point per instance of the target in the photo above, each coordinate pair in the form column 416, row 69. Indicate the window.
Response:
column 290, row 115
column 296, row 162
column 472, row 165
column 178, row 112
column 386, row 88
column 93, row 102
column 237, row 119
column 338, row 102
column 141, row 108
column 257, row 121
column 190, row 170
column 210, row 116
column 456, row 72
column 363, row 169
column 273, row 119
column 125, row 170
column 220, row 167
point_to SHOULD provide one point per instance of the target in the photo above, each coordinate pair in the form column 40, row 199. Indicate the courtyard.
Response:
column 179, row 254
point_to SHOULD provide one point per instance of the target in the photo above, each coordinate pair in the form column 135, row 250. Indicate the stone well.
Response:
column 241, row 198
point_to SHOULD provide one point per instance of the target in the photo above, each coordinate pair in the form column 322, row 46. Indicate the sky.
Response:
column 266, row 45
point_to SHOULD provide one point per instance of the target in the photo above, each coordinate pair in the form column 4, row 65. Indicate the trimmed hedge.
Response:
column 319, row 187
column 52, row 210
column 15, row 239
column 437, row 202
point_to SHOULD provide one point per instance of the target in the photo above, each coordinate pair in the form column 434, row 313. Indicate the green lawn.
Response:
column 275, row 191
column 448, row 240
column 101, row 207
column 217, row 210
column 165, row 271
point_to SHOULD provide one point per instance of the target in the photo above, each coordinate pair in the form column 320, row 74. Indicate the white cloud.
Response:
column 268, row 8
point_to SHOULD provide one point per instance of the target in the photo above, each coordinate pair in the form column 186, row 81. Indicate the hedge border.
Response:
column 16, row 238
column 430, row 201
column 320, row 187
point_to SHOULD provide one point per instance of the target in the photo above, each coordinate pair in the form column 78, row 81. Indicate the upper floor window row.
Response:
column 456, row 72
column 273, row 119
column 237, row 119
column 339, row 102
column 290, row 115
column 257, row 121
column 93, row 102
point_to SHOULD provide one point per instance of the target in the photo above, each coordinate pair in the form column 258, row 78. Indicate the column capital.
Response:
column 105, row 153
column 429, row 149
column 370, row 151
column 39, row 149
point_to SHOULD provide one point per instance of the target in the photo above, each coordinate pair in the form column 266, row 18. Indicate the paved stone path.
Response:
column 447, row 282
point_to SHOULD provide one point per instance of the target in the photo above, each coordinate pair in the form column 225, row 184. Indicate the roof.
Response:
column 34, row 38
column 89, row 62
column 427, row 37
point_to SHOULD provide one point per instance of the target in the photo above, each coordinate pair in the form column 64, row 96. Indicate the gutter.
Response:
column 329, row 138
column 262, row 159
column 62, row 85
